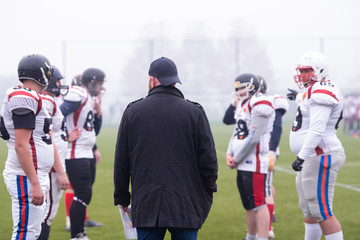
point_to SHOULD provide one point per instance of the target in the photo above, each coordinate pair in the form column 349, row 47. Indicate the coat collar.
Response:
column 166, row 89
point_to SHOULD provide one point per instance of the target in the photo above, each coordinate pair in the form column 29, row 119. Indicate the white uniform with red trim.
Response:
column 257, row 105
column 40, row 143
column 60, row 139
column 82, row 117
column 26, row 217
column 321, row 138
column 313, row 138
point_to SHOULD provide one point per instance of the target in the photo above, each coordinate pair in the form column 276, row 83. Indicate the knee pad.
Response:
column 84, row 195
column 78, row 200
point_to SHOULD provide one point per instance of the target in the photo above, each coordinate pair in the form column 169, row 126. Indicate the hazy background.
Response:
column 210, row 41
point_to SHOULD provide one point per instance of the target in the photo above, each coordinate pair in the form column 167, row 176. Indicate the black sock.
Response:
column 77, row 217
column 45, row 231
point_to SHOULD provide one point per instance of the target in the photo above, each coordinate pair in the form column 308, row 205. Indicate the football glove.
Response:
column 272, row 158
column 297, row 164
column 292, row 94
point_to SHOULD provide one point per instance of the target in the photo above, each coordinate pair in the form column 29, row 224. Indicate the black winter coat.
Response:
column 166, row 146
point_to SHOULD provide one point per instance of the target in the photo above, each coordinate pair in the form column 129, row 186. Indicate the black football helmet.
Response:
column 90, row 78
column 263, row 86
column 55, row 88
column 246, row 85
column 76, row 81
column 35, row 67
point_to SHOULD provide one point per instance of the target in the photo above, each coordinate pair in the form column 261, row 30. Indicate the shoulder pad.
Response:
column 261, row 106
column 19, row 98
column 325, row 94
column 73, row 96
column 280, row 103
column 196, row 103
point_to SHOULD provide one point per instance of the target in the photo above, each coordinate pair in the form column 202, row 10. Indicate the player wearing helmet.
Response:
column 53, row 197
column 320, row 154
column 82, row 110
column 248, row 151
column 69, row 193
column 26, row 127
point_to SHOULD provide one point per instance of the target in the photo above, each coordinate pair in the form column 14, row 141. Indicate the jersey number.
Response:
column 89, row 122
column 298, row 121
column 241, row 130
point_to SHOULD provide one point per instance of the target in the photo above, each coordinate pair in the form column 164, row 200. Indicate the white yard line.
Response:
column 292, row 172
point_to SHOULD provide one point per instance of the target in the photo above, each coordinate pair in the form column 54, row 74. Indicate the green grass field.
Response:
column 227, row 217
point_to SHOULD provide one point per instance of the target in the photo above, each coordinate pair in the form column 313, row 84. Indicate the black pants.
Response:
column 81, row 174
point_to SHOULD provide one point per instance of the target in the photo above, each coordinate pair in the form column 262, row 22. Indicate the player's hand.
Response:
column 235, row 101
column 230, row 161
column 297, row 164
column 97, row 105
column 272, row 158
column 74, row 134
column 125, row 208
column 97, row 155
column 37, row 194
column 292, row 94
column 63, row 181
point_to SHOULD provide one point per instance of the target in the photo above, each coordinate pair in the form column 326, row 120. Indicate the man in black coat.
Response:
column 166, row 147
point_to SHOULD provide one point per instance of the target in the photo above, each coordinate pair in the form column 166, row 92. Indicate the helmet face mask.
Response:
column 312, row 66
column 55, row 85
column 245, row 86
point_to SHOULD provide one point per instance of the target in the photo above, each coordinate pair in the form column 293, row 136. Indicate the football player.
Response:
column 82, row 111
column 248, row 152
column 53, row 197
column 280, row 105
column 320, row 154
column 26, row 127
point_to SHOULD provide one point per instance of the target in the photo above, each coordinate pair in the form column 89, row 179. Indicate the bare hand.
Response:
column 230, row 161
column 272, row 158
column 63, row 181
column 97, row 105
column 97, row 155
column 74, row 134
column 37, row 195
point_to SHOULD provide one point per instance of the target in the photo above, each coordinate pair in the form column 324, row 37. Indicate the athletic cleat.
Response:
column 271, row 234
column 91, row 223
column 80, row 236
column 274, row 218
column 67, row 226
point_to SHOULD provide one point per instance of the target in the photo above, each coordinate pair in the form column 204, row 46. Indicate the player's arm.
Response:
column 257, row 127
column 24, row 123
column 63, row 180
column 68, row 107
column 229, row 115
column 277, row 130
column 230, row 154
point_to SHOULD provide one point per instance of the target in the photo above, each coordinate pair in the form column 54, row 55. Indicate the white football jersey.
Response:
column 317, row 118
column 40, row 143
column 257, row 105
column 83, row 117
column 59, row 126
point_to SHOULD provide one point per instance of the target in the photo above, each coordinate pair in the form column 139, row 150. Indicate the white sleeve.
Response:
column 23, row 102
column 319, row 116
column 72, row 96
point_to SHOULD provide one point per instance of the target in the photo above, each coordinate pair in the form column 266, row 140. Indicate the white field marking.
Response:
column 292, row 172
column 281, row 169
